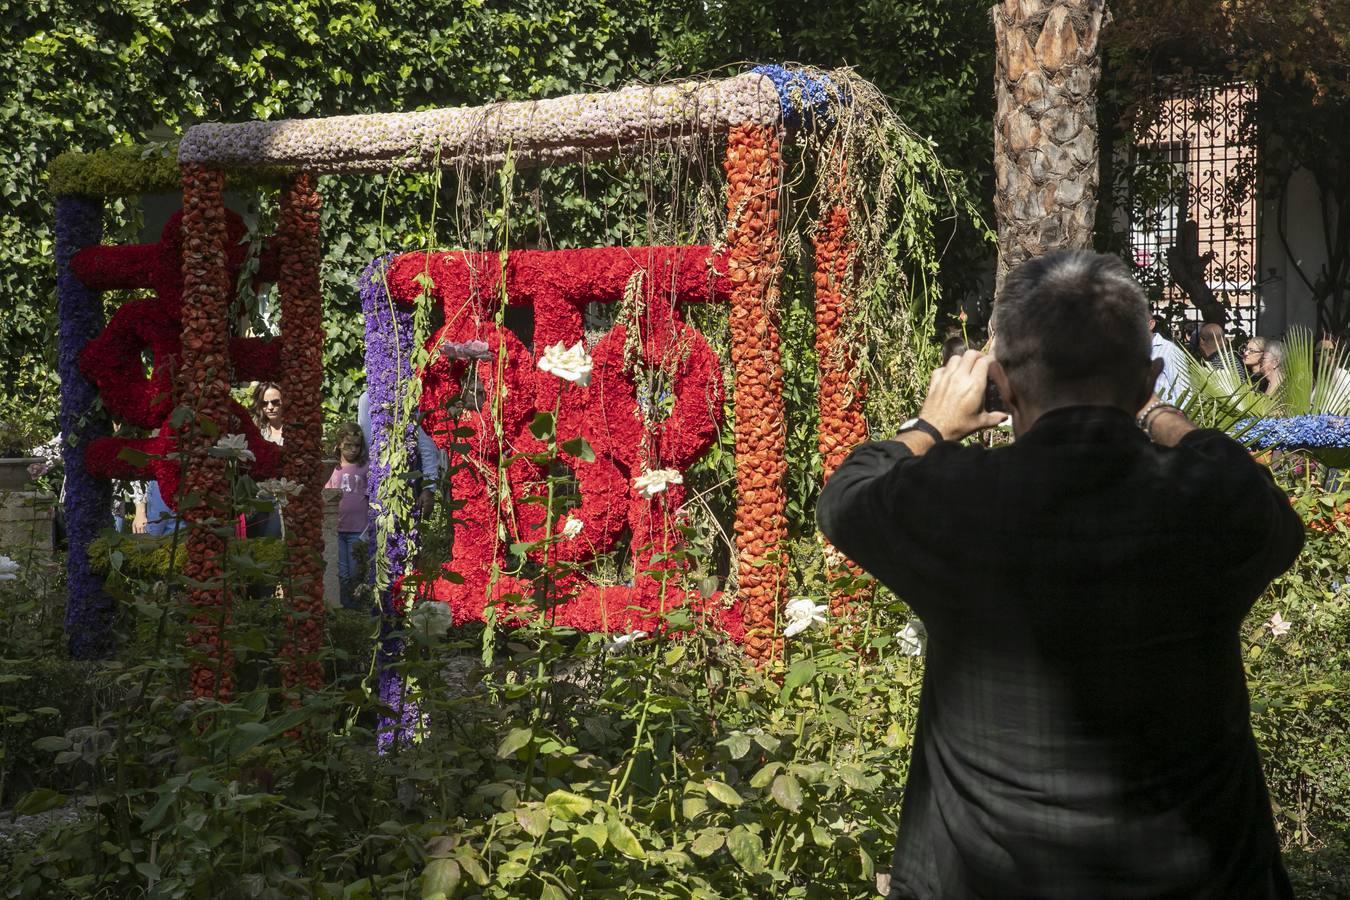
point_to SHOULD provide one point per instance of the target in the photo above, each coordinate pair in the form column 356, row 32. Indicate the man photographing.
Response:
column 1083, row 728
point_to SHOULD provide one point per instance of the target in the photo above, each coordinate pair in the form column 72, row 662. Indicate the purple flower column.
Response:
column 88, row 503
column 389, row 337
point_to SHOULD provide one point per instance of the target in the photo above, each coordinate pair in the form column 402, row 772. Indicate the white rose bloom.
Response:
column 801, row 613
column 912, row 638
column 234, row 446
column 568, row 363
column 572, row 527
column 649, row 484
column 623, row 641
column 278, row 490
column 432, row 617
column 9, row 569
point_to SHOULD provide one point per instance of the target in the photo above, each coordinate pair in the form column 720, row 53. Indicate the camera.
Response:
column 993, row 400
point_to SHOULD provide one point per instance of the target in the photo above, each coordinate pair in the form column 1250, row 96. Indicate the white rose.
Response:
column 649, row 484
column 912, row 638
column 801, row 613
column 623, row 641
column 233, row 446
column 568, row 363
column 432, row 617
column 9, row 569
column 279, row 490
column 572, row 527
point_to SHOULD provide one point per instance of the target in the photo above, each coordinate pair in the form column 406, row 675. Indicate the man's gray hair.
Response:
column 1069, row 317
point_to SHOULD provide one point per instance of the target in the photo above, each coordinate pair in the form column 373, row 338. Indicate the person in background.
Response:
column 267, row 411
column 953, row 346
column 1173, row 381
column 1215, row 350
column 428, row 455
column 1336, row 377
column 1251, row 361
column 349, row 476
column 1272, row 366
column 160, row 520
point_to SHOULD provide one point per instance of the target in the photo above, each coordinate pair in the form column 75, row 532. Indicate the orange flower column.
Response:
column 753, row 166
column 842, row 426
column 302, row 387
column 204, row 383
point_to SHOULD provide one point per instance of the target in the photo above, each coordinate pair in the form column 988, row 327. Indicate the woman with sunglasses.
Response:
column 1251, row 361
column 267, row 413
column 267, row 410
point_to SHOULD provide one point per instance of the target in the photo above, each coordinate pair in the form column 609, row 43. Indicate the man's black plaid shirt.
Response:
column 1083, row 728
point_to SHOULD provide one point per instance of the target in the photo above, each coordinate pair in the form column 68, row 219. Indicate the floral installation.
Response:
column 558, row 285
column 649, row 484
column 753, row 165
column 9, row 569
column 572, row 364
column 301, row 381
column 801, row 613
column 1313, row 432
column 561, row 129
column 88, row 498
column 207, row 289
column 389, row 334
column 842, row 425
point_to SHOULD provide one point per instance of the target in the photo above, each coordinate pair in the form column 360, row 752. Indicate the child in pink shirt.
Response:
column 349, row 476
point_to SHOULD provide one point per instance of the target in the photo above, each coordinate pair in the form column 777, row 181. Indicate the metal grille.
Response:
column 1196, row 162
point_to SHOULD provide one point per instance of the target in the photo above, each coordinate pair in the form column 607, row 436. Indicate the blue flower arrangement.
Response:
column 804, row 95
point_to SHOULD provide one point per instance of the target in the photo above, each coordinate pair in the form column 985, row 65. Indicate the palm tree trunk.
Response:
column 1045, row 126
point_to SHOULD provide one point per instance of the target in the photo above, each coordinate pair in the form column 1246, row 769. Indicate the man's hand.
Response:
column 426, row 502
column 955, row 402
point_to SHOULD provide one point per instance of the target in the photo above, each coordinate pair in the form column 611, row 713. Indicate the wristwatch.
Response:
column 917, row 424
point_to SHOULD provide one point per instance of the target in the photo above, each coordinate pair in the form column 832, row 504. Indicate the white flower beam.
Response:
column 540, row 132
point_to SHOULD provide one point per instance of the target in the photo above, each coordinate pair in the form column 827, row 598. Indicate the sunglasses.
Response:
column 271, row 403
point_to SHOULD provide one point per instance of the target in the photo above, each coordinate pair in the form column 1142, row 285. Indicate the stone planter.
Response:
column 14, row 473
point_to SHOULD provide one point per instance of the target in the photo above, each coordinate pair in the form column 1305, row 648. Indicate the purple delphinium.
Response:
column 88, row 500
column 389, row 339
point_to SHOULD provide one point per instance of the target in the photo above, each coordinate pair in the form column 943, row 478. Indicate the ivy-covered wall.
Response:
column 142, row 69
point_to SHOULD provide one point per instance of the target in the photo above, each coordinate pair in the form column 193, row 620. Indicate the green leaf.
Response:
column 440, row 879
column 534, row 820
column 708, row 841
column 542, row 426
column 738, row 744
column 550, row 892
column 594, row 832
column 566, row 805
column 515, row 739
column 51, row 744
column 38, row 800
column 723, row 792
column 787, row 792
column 578, row 447
column 765, row 774
column 747, row 849
column 799, row 673
column 693, row 807
column 623, row 839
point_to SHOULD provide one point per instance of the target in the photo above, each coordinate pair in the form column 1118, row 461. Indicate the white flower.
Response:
column 233, row 446
column 623, row 640
column 9, row 569
column 568, row 363
column 801, row 613
column 572, row 527
column 912, row 638
column 432, row 617
column 649, row 484
column 279, row 490
column 1278, row 626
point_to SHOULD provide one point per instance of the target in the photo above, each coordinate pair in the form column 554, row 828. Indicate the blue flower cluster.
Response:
column 1321, row 432
column 803, row 96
